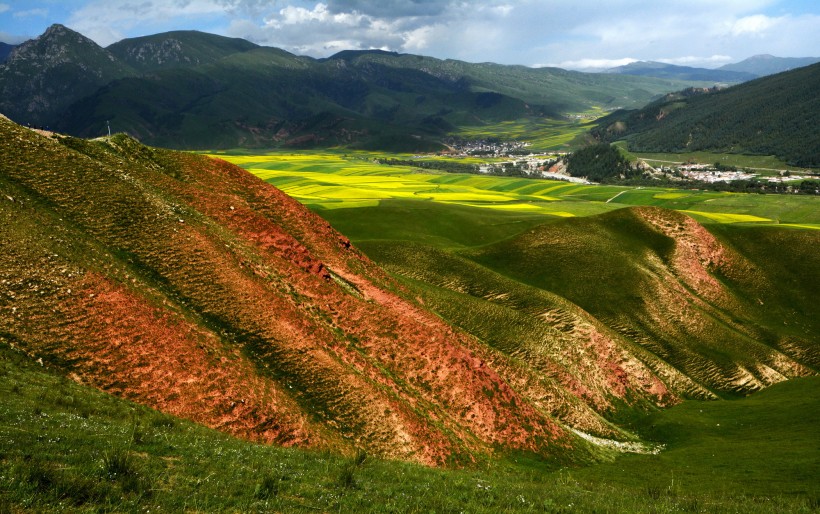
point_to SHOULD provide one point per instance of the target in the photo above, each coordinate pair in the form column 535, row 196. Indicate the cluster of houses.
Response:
column 488, row 147
column 711, row 173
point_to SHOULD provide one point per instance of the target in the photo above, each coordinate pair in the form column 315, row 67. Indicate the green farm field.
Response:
column 328, row 180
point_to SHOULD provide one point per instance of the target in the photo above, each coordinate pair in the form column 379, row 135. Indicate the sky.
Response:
column 572, row 34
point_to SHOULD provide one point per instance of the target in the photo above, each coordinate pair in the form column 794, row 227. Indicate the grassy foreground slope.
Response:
column 186, row 284
column 67, row 447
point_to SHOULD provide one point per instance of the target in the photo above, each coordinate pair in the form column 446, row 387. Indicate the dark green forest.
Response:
column 599, row 163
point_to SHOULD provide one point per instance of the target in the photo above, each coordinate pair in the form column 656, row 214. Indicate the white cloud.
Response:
column 569, row 33
column 697, row 61
column 754, row 25
column 4, row 8
column 30, row 13
column 591, row 64
column 105, row 21
column 418, row 40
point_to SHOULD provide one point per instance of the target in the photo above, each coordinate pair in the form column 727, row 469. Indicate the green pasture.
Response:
column 765, row 164
column 722, row 448
column 67, row 447
column 336, row 180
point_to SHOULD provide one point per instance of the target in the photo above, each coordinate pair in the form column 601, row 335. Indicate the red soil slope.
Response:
column 186, row 284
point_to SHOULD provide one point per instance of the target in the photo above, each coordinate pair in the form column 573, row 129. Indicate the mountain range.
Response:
column 671, row 71
column 765, row 64
column 195, row 90
column 754, row 67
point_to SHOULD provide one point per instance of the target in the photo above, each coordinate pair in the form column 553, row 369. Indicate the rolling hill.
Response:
column 775, row 115
column 527, row 350
column 187, row 89
column 184, row 283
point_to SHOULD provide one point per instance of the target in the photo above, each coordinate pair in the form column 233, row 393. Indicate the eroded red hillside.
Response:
column 186, row 284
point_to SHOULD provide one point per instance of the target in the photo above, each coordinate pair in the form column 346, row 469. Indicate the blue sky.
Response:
column 567, row 33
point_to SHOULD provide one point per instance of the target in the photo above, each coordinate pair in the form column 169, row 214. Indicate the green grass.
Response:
column 64, row 446
column 727, row 447
column 430, row 223
column 766, row 164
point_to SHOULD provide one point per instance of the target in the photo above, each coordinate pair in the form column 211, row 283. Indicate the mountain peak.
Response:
column 177, row 48
column 57, row 68
column 766, row 64
column 56, row 29
column 59, row 32
column 58, row 41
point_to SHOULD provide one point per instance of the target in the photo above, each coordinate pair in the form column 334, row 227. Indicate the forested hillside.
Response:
column 776, row 115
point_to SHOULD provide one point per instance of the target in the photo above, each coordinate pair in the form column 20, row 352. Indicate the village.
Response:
column 548, row 165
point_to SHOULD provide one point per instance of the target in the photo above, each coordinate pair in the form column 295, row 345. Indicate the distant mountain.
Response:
column 194, row 90
column 5, row 50
column 44, row 76
column 774, row 115
column 176, row 49
column 765, row 64
column 670, row 71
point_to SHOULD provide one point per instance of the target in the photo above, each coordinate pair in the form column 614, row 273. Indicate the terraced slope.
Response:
column 187, row 284
column 711, row 315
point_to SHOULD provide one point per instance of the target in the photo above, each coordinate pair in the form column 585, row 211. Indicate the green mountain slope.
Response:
column 775, row 115
column 176, row 49
column 67, row 447
column 46, row 75
column 195, row 90
column 720, row 313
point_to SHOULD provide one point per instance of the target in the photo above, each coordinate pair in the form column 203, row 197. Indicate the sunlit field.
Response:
column 335, row 180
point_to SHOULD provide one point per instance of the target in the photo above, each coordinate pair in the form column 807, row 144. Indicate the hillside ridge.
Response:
column 184, row 283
